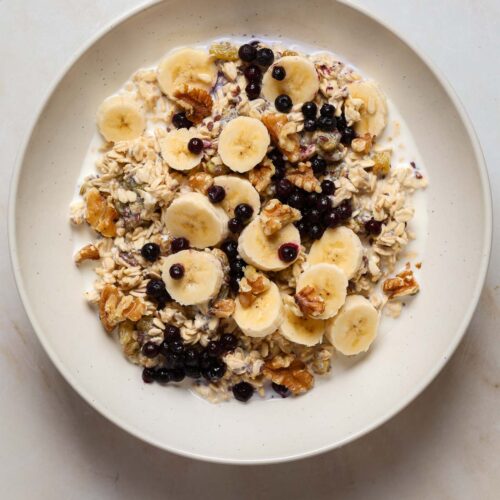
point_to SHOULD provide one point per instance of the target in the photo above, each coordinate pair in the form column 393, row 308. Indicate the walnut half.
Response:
column 197, row 102
column 310, row 302
column 101, row 215
column 114, row 307
column 296, row 377
column 88, row 252
column 401, row 285
column 251, row 285
column 276, row 215
column 303, row 177
column 284, row 134
column 223, row 308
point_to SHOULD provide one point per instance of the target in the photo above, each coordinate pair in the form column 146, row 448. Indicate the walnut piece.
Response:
column 88, row 252
column 382, row 163
column 223, row 308
column 251, row 285
column 115, row 308
column 296, row 377
column 101, row 215
column 197, row 102
column 401, row 285
column 200, row 182
column 284, row 134
column 276, row 215
column 260, row 176
column 310, row 302
column 303, row 177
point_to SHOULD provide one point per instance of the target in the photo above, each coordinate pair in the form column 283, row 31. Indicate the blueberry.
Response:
column 179, row 244
column 216, row 371
column 348, row 135
column 309, row 109
column 279, row 172
column 243, row 211
column 237, row 267
column 234, row 285
column 172, row 333
column 213, row 349
column 155, row 288
column 205, row 360
column 180, row 120
column 253, row 90
column 176, row 271
column 162, row 300
column 311, row 200
column 195, row 145
column 288, row 252
column 150, row 251
column 301, row 225
column 235, row 225
column 309, row 125
column 284, row 188
column 150, row 349
column 331, row 219
column 176, row 347
column 228, row 342
column 318, row 165
column 341, row 122
column 296, row 200
column 312, row 216
column 162, row 375
column 265, row 57
column 282, row 390
column 324, row 203
column 255, row 43
column 327, row 110
column 173, row 360
column 276, row 156
column 243, row 391
column 373, row 226
column 327, row 187
column 177, row 374
column 278, row 73
column 230, row 248
column 216, row 194
column 283, row 103
column 148, row 375
column 192, row 372
column 344, row 210
column 253, row 73
column 191, row 357
column 247, row 52
column 315, row 232
column 326, row 123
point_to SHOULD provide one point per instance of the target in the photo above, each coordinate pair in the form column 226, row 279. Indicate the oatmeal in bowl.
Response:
column 249, row 221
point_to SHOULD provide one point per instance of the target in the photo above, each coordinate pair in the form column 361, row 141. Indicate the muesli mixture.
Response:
column 248, row 224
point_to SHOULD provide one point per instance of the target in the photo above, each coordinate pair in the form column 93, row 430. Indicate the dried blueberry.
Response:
column 373, row 227
column 148, row 375
column 315, row 232
column 230, row 248
column 331, row 219
column 243, row 391
column 296, row 200
column 288, row 252
column 318, row 165
column 284, row 188
column 309, row 125
column 283, row 103
column 179, row 244
column 171, row 333
column 278, row 73
column 228, row 342
column 150, row 349
column 150, row 251
column 180, row 120
column 282, row 390
column 344, row 210
column 216, row 194
column 195, row 145
column 324, row 203
column 327, row 187
column 176, row 271
column 327, row 123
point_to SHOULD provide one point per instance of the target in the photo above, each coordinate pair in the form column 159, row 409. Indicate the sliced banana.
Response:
column 331, row 284
column 340, row 246
column 301, row 82
column 120, row 118
column 374, row 110
column 301, row 330
column 354, row 328
column 186, row 66
column 262, row 251
column 202, row 278
column 238, row 191
column 263, row 316
column 175, row 152
column 192, row 216
column 243, row 143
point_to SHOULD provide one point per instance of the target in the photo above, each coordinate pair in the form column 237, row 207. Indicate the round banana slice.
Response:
column 238, row 191
column 192, row 216
column 202, row 278
column 374, row 109
column 301, row 82
column 340, row 246
column 120, row 118
column 354, row 328
column 263, row 316
column 186, row 67
column 175, row 152
column 260, row 250
column 243, row 143
column 330, row 283
column 305, row 331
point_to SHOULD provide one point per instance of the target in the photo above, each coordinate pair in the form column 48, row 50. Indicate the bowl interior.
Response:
column 355, row 398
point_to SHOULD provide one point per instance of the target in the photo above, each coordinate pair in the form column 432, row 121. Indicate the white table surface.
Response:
column 445, row 445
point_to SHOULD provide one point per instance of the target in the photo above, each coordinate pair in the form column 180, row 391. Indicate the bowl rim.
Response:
column 391, row 412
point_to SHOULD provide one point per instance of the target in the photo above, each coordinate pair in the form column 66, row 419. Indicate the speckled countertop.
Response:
column 445, row 445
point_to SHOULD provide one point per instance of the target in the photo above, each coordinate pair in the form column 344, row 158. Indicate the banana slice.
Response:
column 186, row 66
column 238, row 191
column 301, row 82
column 331, row 284
column 120, row 118
column 374, row 110
column 260, row 250
column 354, row 328
column 175, row 152
column 301, row 330
column 243, row 143
column 263, row 316
column 192, row 216
column 202, row 278
column 340, row 246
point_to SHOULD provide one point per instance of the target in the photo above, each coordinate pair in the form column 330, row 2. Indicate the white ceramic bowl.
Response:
column 357, row 398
